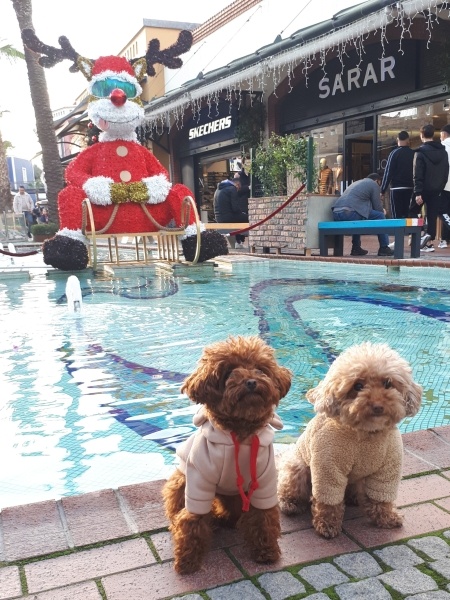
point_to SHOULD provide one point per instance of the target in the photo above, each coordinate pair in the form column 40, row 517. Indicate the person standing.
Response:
column 361, row 200
column 445, row 194
column 430, row 175
column 23, row 204
column 399, row 174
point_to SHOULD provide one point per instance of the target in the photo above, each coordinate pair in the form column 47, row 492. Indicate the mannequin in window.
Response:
column 325, row 178
column 338, row 172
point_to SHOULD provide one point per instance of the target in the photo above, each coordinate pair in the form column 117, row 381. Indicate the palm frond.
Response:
column 8, row 51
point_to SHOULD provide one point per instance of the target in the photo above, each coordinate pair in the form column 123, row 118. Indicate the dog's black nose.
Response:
column 251, row 384
column 378, row 410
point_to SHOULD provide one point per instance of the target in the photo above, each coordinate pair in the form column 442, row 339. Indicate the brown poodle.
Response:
column 227, row 470
column 352, row 449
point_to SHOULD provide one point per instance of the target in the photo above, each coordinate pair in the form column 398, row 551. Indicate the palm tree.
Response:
column 53, row 169
column 8, row 52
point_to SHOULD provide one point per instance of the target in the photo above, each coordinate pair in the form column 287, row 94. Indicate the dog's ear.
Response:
column 283, row 379
column 201, row 387
column 323, row 399
column 413, row 399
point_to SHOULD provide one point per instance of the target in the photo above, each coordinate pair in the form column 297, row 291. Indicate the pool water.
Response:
column 92, row 400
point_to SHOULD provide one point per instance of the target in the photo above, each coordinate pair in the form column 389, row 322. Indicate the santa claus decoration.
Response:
column 121, row 178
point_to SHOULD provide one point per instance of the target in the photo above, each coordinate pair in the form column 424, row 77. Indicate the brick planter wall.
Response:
column 295, row 227
column 285, row 228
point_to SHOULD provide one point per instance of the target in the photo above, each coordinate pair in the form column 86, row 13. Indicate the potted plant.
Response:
column 277, row 158
column 43, row 231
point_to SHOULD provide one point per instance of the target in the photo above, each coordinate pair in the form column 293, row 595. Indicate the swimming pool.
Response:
column 92, row 401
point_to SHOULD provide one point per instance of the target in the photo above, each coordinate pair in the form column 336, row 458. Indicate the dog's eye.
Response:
column 259, row 372
column 358, row 386
column 387, row 383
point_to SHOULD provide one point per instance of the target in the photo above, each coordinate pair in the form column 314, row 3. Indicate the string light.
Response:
column 267, row 73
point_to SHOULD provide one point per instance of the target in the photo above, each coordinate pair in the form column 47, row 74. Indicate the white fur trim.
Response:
column 115, row 75
column 158, row 187
column 74, row 234
column 98, row 190
column 192, row 230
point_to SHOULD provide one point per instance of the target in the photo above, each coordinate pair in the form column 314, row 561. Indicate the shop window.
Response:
column 410, row 119
column 328, row 156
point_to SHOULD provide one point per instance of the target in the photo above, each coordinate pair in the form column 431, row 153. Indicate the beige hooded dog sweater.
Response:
column 207, row 458
column 338, row 455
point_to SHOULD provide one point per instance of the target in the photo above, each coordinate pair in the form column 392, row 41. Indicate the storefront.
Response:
column 356, row 105
column 209, row 152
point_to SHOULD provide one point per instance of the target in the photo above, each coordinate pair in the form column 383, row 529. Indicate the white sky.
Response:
column 97, row 28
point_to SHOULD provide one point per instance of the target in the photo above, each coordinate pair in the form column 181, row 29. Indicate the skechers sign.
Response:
column 207, row 128
column 215, row 124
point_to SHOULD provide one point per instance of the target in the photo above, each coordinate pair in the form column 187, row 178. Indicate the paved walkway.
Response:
column 114, row 545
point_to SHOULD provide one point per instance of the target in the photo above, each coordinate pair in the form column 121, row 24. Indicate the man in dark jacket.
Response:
column 430, row 174
column 228, row 206
column 399, row 174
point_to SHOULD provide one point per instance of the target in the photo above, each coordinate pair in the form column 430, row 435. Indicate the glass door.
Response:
column 359, row 149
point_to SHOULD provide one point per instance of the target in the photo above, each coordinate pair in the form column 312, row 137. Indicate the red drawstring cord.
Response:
column 254, row 485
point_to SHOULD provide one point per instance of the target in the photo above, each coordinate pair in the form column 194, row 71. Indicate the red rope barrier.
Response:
column 19, row 253
column 288, row 201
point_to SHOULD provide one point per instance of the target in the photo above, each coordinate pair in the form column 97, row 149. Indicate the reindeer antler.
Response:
column 169, row 56
column 51, row 55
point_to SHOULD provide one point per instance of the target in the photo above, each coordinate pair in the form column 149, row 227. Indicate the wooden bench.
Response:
column 397, row 227
column 227, row 228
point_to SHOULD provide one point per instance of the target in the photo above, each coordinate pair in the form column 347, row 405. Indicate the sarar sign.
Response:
column 359, row 80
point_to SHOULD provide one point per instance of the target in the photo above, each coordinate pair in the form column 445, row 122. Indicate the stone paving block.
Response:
column 318, row 596
column 281, row 585
column 82, row 513
column 160, row 581
column 358, row 564
column 421, row 489
column 144, row 503
column 291, row 523
column 298, row 547
column 441, row 566
column 409, row 581
column 32, row 530
column 188, row 597
column 322, row 576
column 444, row 503
column 363, row 590
column 10, row 586
column 81, row 591
column 413, row 464
column 438, row 595
column 87, row 564
column 243, row 589
column 399, row 556
column 446, row 534
column 429, row 446
column 163, row 544
column 432, row 546
column 419, row 519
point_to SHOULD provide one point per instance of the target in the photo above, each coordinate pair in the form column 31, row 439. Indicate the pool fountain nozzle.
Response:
column 73, row 294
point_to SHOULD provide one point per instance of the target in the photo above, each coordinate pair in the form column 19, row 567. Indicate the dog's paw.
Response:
column 390, row 520
column 289, row 506
column 327, row 530
column 267, row 555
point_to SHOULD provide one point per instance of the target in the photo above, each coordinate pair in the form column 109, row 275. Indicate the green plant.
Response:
column 280, row 156
column 44, row 229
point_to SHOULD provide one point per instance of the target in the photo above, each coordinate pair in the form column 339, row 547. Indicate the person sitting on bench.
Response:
column 361, row 200
column 228, row 207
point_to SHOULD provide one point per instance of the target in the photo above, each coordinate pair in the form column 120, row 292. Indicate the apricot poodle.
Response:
column 227, row 472
column 351, row 451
